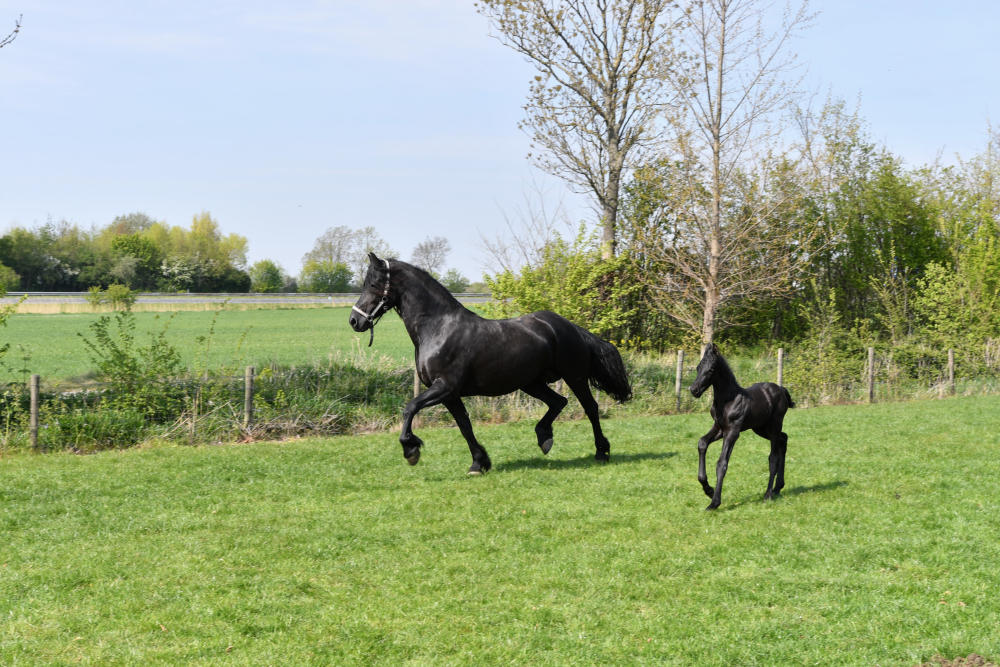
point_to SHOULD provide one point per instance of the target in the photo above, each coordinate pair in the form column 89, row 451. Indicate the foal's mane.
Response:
column 720, row 367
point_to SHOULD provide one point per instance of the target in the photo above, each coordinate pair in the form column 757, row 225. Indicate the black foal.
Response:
column 760, row 407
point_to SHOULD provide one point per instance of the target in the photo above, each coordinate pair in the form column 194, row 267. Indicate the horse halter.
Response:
column 374, row 316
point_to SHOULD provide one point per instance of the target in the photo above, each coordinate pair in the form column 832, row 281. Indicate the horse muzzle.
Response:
column 359, row 322
column 697, row 390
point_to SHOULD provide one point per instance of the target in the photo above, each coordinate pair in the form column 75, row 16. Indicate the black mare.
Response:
column 459, row 353
column 760, row 407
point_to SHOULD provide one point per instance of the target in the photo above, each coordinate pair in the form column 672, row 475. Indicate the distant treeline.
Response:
column 132, row 250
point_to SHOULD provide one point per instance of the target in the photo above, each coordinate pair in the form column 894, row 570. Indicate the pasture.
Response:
column 49, row 344
column 882, row 550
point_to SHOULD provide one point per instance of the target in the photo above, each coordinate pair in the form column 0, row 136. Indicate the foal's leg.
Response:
column 433, row 395
column 581, row 390
column 556, row 403
column 713, row 434
column 722, row 465
column 779, row 445
column 480, row 459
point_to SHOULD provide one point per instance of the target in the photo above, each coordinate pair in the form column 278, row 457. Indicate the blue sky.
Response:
column 284, row 119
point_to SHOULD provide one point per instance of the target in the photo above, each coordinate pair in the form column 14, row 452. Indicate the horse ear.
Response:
column 374, row 259
column 715, row 350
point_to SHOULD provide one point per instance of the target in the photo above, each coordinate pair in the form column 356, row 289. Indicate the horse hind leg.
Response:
column 776, row 462
column 582, row 392
column 555, row 402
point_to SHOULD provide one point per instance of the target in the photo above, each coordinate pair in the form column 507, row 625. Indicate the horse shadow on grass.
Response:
column 789, row 492
column 586, row 461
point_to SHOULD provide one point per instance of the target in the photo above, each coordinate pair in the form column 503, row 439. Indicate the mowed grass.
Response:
column 50, row 346
column 882, row 550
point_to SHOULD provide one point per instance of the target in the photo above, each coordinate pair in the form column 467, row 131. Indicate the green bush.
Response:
column 87, row 430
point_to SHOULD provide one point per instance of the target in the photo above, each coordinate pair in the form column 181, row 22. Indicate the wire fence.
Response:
column 339, row 397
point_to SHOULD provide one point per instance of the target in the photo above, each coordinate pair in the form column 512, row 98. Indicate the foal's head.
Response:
column 376, row 298
column 711, row 363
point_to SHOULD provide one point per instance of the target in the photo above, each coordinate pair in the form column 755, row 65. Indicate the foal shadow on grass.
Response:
column 789, row 492
column 586, row 461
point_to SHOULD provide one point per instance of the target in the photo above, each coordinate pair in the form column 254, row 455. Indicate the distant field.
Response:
column 883, row 550
column 49, row 344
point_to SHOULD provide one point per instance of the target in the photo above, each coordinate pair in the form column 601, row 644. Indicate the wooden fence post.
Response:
column 781, row 366
column 871, row 374
column 248, row 377
column 33, row 415
column 677, row 382
column 951, row 371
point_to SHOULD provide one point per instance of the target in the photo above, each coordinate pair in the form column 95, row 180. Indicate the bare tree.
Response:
column 13, row 34
column 334, row 245
column 366, row 240
column 594, row 104
column 430, row 254
column 724, row 241
column 350, row 247
column 535, row 224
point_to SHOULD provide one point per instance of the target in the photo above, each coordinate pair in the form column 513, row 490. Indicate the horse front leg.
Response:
column 480, row 459
column 713, row 434
column 722, row 465
column 433, row 395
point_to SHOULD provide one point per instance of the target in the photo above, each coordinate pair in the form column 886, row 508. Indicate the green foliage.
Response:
column 91, row 429
column 141, row 378
column 455, row 281
column 266, row 276
column 325, row 276
column 9, row 279
column 827, row 364
column 573, row 280
column 144, row 257
column 120, row 297
column 133, row 249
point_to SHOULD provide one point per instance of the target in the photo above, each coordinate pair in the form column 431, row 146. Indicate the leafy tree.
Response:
column 720, row 135
column 455, row 281
column 325, row 276
column 9, row 279
column 266, row 276
column 143, row 258
column 594, row 104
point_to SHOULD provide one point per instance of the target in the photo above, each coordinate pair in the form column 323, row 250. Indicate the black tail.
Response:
column 788, row 396
column 607, row 370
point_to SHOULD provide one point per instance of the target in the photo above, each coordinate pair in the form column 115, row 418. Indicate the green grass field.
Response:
column 883, row 549
column 49, row 345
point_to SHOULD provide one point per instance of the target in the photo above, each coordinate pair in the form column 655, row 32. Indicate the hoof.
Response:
column 475, row 470
column 772, row 495
column 712, row 506
column 414, row 459
column 546, row 446
column 602, row 457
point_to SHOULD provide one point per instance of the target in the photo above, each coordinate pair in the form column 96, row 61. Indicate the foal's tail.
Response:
column 607, row 370
column 788, row 397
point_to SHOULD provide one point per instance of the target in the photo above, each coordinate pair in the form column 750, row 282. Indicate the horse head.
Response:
column 706, row 368
column 375, row 300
